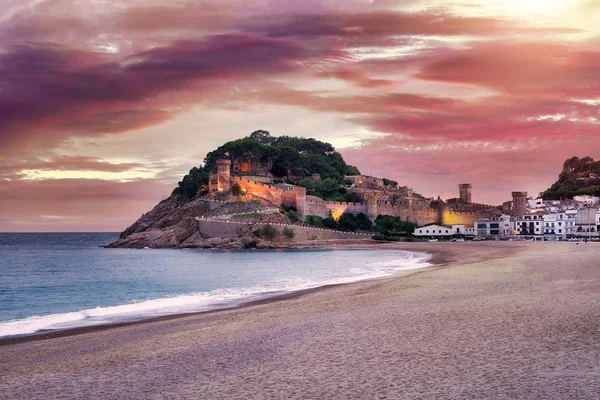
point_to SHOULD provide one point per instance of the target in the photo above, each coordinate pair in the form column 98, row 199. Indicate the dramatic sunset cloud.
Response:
column 104, row 106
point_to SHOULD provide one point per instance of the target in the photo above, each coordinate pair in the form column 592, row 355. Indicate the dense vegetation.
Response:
column 574, row 179
column 282, row 156
column 196, row 179
column 386, row 225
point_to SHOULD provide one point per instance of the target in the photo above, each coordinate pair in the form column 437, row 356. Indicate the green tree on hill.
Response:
column 281, row 156
column 575, row 179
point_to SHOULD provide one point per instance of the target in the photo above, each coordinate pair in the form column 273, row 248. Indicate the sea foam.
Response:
column 203, row 301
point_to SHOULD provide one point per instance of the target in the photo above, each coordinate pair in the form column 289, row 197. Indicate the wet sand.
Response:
column 499, row 320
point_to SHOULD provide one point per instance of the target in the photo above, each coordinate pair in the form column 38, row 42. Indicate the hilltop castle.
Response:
column 376, row 198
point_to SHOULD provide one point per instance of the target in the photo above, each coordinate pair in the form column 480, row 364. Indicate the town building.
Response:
column 560, row 225
column 535, row 203
column 363, row 181
column 436, row 231
column 585, row 199
column 529, row 225
column 586, row 222
column 494, row 226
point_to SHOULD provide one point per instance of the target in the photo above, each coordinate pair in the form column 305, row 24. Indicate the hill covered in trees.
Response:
column 282, row 157
column 579, row 176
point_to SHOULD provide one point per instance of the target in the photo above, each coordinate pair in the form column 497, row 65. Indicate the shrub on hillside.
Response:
column 347, row 222
column 288, row 232
column 314, row 220
column 269, row 232
column 236, row 189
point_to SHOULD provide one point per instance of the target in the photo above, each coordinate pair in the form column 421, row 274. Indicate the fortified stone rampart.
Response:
column 279, row 194
column 230, row 230
column 268, row 192
column 322, row 208
column 419, row 216
column 222, row 229
column 471, row 207
column 453, row 217
column 419, row 211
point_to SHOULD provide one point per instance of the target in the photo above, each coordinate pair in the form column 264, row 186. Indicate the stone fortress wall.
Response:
column 291, row 195
column 231, row 230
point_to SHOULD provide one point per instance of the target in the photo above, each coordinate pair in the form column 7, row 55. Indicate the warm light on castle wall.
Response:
column 337, row 213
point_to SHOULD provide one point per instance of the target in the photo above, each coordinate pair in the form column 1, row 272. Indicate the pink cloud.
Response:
column 71, row 70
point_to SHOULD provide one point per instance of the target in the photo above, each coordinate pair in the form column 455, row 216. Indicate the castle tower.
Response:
column 372, row 208
column 464, row 190
column 223, row 175
column 519, row 206
column 301, row 202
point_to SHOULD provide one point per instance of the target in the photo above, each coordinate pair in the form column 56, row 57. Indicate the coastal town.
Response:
column 522, row 218
column 528, row 218
column 264, row 191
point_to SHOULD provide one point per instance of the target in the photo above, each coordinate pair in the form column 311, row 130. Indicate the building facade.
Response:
column 529, row 225
column 494, row 226
column 442, row 231
column 586, row 222
column 561, row 224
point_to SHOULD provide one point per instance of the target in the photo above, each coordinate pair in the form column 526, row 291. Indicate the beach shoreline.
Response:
column 491, row 320
column 434, row 259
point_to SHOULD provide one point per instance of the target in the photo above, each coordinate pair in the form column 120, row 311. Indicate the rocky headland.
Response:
column 225, row 222
column 173, row 225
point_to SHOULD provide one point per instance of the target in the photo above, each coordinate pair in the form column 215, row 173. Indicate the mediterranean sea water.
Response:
column 51, row 281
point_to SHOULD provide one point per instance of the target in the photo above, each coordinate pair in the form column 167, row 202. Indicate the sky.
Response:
column 105, row 105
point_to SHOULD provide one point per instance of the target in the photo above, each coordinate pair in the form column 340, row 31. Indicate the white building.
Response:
column 529, row 225
column 442, row 230
column 535, row 203
column 559, row 224
column 586, row 222
column 591, row 200
column 495, row 226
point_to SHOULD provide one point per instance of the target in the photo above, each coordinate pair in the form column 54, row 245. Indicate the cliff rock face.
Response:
column 171, row 225
column 167, row 225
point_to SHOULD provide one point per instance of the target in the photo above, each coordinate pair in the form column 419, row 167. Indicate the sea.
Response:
column 55, row 281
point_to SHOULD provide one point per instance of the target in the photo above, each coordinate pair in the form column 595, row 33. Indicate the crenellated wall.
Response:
column 267, row 191
column 290, row 195
column 230, row 230
column 455, row 217
column 321, row 208
column 279, row 194
column 420, row 216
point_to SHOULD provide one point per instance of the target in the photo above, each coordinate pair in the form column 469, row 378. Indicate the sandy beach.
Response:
column 497, row 320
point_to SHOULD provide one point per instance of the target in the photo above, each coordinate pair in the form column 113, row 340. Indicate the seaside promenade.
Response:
column 493, row 320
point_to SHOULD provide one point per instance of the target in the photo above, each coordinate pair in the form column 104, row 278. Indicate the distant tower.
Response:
column 223, row 175
column 519, row 206
column 464, row 190
column 372, row 207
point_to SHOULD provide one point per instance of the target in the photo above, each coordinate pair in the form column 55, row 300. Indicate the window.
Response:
column 427, row 231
